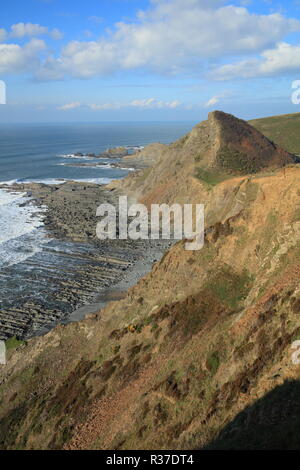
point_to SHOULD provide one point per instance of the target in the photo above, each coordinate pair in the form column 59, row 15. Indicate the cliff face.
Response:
column 215, row 150
column 242, row 148
column 199, row 352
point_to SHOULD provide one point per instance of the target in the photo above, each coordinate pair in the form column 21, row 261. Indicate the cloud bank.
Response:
column 171, row 37
column 20, row 59
column 148, row 103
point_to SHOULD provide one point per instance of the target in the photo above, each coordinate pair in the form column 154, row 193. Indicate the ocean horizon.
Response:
column 37, row 152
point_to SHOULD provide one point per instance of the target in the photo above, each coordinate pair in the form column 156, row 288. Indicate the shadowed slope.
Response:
column 272, row 422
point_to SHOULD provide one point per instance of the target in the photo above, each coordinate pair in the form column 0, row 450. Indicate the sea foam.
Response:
column 21, row 235
column 56, row 181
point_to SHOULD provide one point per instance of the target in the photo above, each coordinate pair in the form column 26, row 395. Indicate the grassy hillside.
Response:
column 283, row 130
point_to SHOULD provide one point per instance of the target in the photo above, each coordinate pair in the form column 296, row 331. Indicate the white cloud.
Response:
column 68, row 106
column 170, row 37
column 56, row 34
column 149, row 103
column 283, row 58
column 212, row 101
column 50, row 70
column 152, row 103
column 106, row 106
column 216, row 99
column 21, row 30
column 15, row 58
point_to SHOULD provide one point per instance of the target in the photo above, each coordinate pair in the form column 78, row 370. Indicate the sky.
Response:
column 147, row 60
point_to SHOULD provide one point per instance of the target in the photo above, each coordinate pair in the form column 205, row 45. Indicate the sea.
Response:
column 44, row 153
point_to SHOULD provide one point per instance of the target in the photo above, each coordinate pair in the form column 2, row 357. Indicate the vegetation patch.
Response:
column 296, row 217
column 210, row 177
column 283, row 130
column 13, row 343
column 229, row 287
column 213, row 362
column 237, row 161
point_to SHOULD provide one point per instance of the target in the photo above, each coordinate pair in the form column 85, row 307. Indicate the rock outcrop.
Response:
column 215, row 150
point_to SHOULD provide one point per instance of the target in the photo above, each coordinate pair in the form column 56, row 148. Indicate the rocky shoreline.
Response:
column 115, row 152
column 81, row 273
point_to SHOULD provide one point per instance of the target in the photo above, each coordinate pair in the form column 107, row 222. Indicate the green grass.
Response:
column 212, row 178
column 283, row 130
column 13, row 343
column 229, row 287
column 296, row 217
column 233, row 160
column 213, row 362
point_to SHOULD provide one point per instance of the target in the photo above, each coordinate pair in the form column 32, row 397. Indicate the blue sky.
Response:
column 119, row 60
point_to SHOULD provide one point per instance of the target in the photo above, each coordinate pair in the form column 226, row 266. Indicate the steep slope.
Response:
column 216, row 149
column 196, row 346
column 284, row 130
column 243, row 149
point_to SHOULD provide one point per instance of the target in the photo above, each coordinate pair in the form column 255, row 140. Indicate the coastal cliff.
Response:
column 198, row 353
column 215, row 150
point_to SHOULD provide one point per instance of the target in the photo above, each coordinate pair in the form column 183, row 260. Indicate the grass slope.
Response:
column 283, row 130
